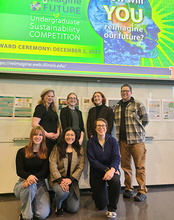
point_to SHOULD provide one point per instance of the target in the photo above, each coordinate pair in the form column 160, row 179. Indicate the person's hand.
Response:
column 117, row 172
column 64, row 187
column 32, row 179
column 50, row 135
column 55, row 136
column 66, row 181
column 109, row 174
column 25, row 185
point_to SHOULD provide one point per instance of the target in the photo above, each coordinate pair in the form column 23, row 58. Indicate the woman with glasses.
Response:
column 70, row 116
column 66, row 165
column 99, row 111
column 32, row 168
column 104, row 158
column 45, row 115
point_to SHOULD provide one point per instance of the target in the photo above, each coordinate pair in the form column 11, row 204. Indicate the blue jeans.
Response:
column 35, row 199
column 71, row 202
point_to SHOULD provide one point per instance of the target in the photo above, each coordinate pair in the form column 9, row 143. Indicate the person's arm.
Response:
column 35, row 122
column 20, row 169
column 91, row 157
column 81, row 137
column 53, row 164
column 144, row 118
column 115, row 154
column 44, row 171
column 55, row 136
column 79, row 169
column 89, row 130
column 63, row 118
column 110, row 119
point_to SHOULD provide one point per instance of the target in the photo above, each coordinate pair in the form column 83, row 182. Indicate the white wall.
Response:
column 159, row 152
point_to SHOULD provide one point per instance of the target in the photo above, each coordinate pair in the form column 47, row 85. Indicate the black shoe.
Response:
column 127, row 194
column 140, row 197
column 59, row 212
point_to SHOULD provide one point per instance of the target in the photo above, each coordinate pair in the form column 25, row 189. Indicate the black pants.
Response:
column 102, row 193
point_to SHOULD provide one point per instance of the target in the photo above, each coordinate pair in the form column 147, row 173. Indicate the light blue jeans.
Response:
column 35, row 199
column 71, row 202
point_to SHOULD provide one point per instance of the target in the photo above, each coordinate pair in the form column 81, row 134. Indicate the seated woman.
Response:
column 66, row 165
column 104, row 157
column 32, row 168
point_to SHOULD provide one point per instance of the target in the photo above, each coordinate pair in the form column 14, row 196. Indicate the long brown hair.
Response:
column 43, row 102
column 42, row 152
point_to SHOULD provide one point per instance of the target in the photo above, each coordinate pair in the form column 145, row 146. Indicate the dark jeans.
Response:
column 102, row 193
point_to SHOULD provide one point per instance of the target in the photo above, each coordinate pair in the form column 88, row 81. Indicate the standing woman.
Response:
column 70, row 116
column 66, row 165
column 99, row 111
column 32, row 168
column 45, row 115
column 104, row 158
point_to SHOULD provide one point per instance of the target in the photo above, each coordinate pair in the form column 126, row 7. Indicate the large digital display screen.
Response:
column 104, row 38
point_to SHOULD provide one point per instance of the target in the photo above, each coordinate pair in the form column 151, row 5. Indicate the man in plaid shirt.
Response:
column 130, row 119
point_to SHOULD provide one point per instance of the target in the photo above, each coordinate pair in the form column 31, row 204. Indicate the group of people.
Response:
column 61, row 158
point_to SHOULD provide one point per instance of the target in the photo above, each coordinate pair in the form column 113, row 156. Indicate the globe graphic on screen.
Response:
column 35, row 6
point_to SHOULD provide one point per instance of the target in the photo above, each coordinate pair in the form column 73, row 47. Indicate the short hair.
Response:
column 71, row 94
column 100, row 119
column 126, row 84
column 102, row 95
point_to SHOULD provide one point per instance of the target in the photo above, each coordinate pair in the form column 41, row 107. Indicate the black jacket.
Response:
column 66, row 118
column 106, row 113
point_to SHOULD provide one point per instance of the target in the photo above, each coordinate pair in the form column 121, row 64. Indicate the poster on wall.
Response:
column 103, row 38
column 111, row 102
column 86, row 104
column 6, row 106
column 154, row 109
column 168, row 109
column 23, row 107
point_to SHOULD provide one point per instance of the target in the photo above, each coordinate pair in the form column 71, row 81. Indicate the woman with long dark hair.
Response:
column 32, row 168
column 99, row 111
column 66, row 165
column 45, row 115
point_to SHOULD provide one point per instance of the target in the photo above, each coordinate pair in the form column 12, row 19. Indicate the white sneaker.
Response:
column 111, row 214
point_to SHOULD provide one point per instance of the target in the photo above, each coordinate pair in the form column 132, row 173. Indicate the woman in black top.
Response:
column 32, row 168
column 45, row 115
column 99, row 111
column 70, row 116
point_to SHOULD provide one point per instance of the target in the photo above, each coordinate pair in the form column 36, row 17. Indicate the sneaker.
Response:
column 59, row 212
column 140, row 197
column 127, row 194
column 111, row 214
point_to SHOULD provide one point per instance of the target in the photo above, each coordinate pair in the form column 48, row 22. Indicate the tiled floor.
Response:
column 159, row 205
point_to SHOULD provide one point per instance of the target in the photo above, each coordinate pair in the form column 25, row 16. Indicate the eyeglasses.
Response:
column 72, row 98
column 101, row 126
column 125, row 91
column 70, row 135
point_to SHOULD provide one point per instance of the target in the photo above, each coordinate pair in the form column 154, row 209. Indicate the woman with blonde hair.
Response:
column 32, row 168
column 45, row 115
